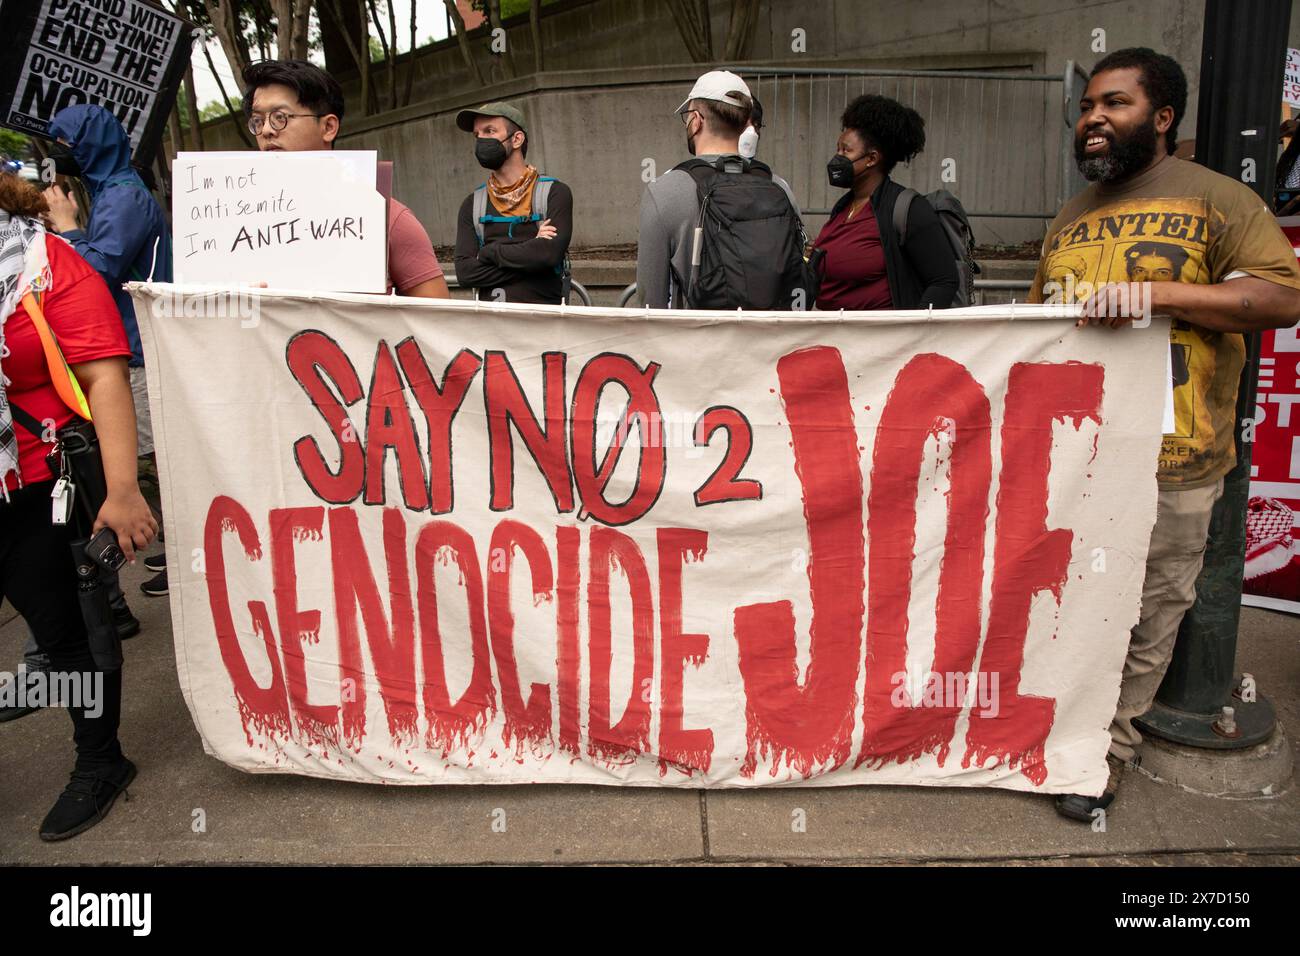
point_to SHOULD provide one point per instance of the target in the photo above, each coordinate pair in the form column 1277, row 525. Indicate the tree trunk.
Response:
column 462, row 41
column 335, row 10
column 225, row 23
column 392, row 55
column 367, row 90
column 410, row 65
column 388, row 52
column 339, row 37
column 174, row 131
column 237, row 116
column 692, row 18
column 507, row 57
column 740, row 31
column 535, row 28
column 301, row 23
column 291, row 19
column 192, row 107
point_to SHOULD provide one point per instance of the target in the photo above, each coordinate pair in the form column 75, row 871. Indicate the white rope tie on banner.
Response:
column 154, row 261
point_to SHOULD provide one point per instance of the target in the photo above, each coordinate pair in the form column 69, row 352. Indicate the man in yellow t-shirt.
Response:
column 1155, row 235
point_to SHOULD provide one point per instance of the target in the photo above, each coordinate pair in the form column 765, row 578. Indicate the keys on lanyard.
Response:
column 63, row 494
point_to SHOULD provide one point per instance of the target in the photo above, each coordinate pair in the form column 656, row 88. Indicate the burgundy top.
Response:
column 853, row 270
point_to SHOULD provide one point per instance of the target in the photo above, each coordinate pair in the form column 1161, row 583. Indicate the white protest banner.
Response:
column 309, row 220
column 125, row 55
column 1291, row 78
column 421, row 541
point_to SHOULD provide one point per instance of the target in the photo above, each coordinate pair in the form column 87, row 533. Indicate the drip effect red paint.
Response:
column 687, row 750
column 929, row 388
column 1028, row 557
column 810, row 725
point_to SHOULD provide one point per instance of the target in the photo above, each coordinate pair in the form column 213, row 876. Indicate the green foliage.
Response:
column 217, row 108
column 213, row 110
column 509, row 8
column 13, row 144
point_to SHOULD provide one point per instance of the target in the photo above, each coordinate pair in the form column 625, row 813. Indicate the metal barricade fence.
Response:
column 1015, row 288
column 1002, row 142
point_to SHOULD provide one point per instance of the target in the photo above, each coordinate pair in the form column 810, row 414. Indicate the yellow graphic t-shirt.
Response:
column 1177, row 222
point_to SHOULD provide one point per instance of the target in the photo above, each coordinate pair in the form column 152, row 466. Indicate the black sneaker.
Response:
column 86, row 800
column 156, row 586
column 156, row 562
column 1078, row 807
column 12, row 710
column 127, row 624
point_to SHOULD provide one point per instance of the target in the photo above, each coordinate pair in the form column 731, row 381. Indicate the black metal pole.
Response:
column 1243, row 55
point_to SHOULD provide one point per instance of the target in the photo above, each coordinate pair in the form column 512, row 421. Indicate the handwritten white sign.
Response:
column 311, row 221
column 1291, row 79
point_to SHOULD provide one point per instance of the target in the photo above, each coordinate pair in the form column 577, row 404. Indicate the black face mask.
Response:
column 65, row 164
column 491, row 153
column 839, row 171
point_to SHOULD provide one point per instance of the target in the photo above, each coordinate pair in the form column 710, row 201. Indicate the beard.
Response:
column 1124, row 158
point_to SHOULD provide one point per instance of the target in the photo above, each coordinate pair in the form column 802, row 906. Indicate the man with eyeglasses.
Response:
column 294, row 105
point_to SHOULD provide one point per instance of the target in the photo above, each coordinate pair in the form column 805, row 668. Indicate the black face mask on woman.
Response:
column 65, row 164
column 491, row 153
column 839, row 171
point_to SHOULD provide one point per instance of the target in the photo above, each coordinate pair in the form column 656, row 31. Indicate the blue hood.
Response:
column 98, row 143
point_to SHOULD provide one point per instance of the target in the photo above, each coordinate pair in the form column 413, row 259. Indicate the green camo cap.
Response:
column 465, row 118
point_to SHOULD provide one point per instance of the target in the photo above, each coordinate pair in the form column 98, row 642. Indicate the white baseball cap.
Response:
column 719, row 85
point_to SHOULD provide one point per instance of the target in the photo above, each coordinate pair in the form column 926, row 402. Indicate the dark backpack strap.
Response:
column 903, row 206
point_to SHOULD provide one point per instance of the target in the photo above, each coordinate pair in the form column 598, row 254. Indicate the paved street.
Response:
column 285, row 819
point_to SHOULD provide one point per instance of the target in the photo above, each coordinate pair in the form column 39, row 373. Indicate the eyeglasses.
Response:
column 686, row 117
column 278, row 119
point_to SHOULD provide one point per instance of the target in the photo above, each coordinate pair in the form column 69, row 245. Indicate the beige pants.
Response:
column 1169, row 589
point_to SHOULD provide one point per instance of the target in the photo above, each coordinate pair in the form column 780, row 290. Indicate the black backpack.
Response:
column 747, row 247
column 956, row 226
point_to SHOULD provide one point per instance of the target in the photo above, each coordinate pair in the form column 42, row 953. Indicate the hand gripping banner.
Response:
column 416, row 541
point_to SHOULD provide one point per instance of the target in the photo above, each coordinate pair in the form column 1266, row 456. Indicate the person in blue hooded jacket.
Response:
column 126, row 238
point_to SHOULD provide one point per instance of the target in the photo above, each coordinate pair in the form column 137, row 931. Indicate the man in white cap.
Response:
column 716, row 114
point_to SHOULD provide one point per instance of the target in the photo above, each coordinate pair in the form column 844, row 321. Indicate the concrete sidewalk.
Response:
column 286, row 819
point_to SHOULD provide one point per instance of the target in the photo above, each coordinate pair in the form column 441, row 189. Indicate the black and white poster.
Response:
column 125, row 55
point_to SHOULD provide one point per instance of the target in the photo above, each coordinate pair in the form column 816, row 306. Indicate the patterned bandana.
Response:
column 23, row 267
column 515, row 199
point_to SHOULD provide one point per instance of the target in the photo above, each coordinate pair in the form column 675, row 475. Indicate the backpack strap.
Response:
column 541, row 193
column 481, row 215
column 902, row 206
column 480, row 208
column 61, row 374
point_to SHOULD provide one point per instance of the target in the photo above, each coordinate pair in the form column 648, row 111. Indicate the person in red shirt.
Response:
column 37, row 571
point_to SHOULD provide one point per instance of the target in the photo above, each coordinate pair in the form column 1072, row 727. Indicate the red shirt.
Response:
column 853, row 270
column 411, row 259
column 86, row 324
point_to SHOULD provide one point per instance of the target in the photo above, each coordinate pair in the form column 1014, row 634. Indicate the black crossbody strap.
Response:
column 24, row 418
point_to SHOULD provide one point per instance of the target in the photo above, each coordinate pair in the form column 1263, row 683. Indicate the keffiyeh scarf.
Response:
column 23, row 268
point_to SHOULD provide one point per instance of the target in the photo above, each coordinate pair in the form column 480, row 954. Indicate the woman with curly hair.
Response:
column 864, row 265
column 50, row 296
